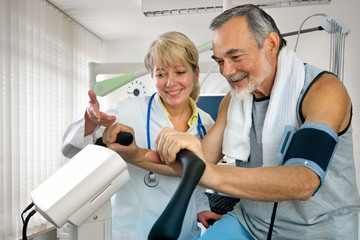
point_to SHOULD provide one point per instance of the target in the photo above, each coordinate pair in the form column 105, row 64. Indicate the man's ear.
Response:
column 271, row 44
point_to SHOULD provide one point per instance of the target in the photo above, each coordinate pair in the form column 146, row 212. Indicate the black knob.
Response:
column 123, row 138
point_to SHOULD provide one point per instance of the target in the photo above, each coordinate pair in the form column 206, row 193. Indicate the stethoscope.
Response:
column 151, row 179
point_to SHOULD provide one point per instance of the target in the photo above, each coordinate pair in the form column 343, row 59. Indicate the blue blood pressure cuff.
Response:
column 312, row 146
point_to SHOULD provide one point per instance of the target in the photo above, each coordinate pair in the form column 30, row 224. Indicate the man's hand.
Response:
column 169, row 142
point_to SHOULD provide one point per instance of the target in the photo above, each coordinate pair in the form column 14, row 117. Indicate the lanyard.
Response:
column 200, row 126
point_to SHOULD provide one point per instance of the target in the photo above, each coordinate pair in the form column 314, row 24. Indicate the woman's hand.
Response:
column 94, row 117
column 207, row 218
column 130, row 153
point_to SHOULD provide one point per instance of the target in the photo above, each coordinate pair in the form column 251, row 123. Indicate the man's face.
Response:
column 240, row 61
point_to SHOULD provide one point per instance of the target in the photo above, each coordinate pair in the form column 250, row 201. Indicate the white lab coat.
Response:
column 137, row 206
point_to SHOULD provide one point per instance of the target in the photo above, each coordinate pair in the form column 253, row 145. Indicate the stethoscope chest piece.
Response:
column 151, row 179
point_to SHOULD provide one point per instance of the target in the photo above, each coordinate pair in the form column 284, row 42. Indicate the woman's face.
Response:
column 175, row 83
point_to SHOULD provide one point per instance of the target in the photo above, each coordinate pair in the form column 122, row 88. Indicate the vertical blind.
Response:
column 43, row 66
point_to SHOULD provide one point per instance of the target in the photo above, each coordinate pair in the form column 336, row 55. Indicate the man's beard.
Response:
column 240, row 94
column 254, row 82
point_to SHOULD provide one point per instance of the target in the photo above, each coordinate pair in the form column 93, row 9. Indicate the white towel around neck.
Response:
column 281, row 111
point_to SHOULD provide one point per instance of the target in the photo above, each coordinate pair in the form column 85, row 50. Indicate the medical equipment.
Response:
column 80, row 187
column 151, row 179
column 221, row 203
column 106, row 86
column 338, row 32
column 312, row 146
column 168, row 225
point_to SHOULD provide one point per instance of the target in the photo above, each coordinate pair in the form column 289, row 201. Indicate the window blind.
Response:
column 43, row 66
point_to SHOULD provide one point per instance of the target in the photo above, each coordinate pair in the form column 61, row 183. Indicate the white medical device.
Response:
column 78, row 189
column 82, row 185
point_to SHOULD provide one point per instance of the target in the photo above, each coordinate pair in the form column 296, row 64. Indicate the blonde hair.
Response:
column 169, row 49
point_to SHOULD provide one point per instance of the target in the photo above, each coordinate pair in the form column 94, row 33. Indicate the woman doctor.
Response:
column 172, row 60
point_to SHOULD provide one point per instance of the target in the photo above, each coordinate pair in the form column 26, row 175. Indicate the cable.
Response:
column 337, row 49
column 338, row 32
column 343, row 60
column 273, row 214
column 331, row 49
column 298, row 35
column 26, row 221
column 26, row 209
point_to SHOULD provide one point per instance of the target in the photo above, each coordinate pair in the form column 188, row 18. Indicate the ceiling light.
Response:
column 152, row 8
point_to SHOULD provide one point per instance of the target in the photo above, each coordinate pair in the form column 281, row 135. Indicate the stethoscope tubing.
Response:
column 200, row 127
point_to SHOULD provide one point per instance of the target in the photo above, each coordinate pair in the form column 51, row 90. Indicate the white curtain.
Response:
column 43, row 65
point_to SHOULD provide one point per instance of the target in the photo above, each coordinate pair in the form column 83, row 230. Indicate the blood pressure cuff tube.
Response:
column 312, row 146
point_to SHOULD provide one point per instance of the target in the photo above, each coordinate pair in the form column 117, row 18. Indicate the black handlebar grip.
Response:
column 168, row 226
column 123, row 138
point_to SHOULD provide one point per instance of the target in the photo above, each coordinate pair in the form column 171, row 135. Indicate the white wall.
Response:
column 313, row 48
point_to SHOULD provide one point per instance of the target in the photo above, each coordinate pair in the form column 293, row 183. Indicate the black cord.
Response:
column 26, row 221
column 26, row 209
column 272, row 221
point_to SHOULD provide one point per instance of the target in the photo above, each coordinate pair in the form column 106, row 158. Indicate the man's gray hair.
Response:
column 260, row 23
